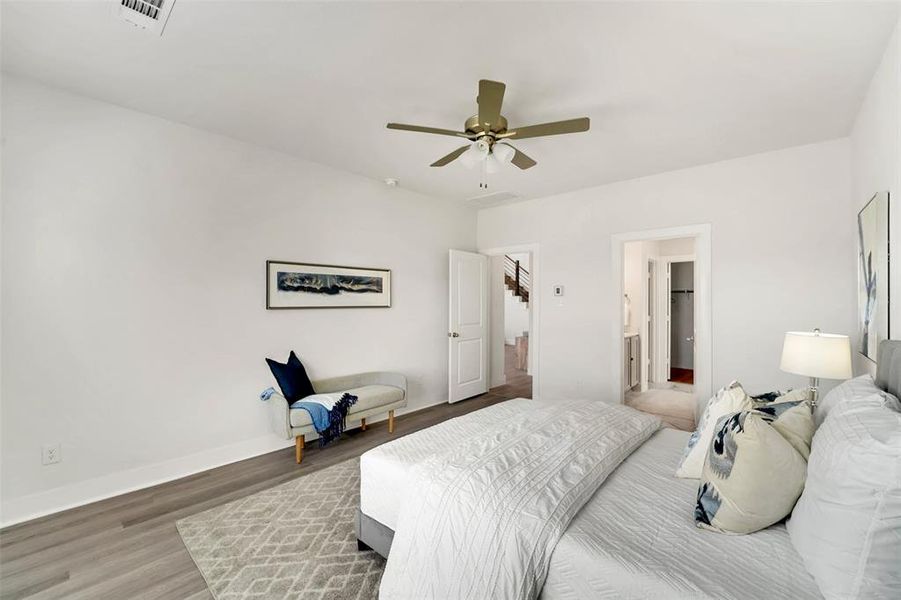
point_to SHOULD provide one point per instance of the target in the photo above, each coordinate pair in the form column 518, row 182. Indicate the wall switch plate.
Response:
column 558, row 290
column 51, row 454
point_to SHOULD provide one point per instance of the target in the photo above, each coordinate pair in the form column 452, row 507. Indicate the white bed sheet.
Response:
column 383, row 470
column 636, row 538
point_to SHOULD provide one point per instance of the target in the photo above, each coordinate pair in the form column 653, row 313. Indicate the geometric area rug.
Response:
column 295, row 540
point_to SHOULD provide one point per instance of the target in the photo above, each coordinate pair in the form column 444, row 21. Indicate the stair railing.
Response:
column 517, row 277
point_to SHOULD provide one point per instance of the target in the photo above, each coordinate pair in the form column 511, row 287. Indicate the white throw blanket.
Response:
column 481, row 520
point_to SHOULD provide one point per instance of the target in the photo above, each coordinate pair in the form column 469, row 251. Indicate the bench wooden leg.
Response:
column 362, row 424
column 298, row 448
column 390, row 421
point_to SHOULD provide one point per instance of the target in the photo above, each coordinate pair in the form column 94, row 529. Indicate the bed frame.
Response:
column 373, row 535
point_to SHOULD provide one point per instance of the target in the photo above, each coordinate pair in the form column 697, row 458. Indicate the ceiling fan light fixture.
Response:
column 503, row 152
column 486, row 129
column 470, row 157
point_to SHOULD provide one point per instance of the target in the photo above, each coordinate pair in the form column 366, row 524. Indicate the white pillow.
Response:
column 729, row 399
column 847, row 523
column 752, row 476
column 859, row 387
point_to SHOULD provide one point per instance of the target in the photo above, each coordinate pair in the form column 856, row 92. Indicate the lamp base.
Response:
column 814, row 391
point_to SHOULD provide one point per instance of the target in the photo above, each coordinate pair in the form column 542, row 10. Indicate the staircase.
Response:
column 516, row 279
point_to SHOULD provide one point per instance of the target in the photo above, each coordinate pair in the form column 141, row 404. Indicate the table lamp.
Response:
column 818, row 356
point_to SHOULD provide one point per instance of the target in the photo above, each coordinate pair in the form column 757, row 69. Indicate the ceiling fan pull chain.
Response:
column 484, row 182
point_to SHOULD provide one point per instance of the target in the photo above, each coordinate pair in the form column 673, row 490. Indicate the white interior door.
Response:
column 467, row 333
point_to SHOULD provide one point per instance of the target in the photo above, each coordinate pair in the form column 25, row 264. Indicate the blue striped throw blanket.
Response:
column 327, row 412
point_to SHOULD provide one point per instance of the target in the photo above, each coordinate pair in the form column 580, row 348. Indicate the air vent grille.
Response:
column 148, row 8
column 492, row 199
column 151, row 15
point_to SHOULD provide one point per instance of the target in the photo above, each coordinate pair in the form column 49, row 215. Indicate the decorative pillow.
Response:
column 769, row 396
column 792, row 417
column 752, row 476
column 292, row 378
column 847, row 523
column 730, row 399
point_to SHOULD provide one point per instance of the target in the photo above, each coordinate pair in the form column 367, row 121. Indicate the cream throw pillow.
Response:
column 729, row 399
column 752, row 476
column 792, row 417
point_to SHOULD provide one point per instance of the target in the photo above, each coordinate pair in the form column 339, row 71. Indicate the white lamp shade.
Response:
column 492, row 164
column 503, row 152
column 813, row 354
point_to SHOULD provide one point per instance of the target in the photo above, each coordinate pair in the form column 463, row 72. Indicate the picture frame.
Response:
column 873, row 273
column 295, row 285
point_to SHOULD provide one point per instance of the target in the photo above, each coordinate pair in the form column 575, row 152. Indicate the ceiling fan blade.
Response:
column 522, row 161
column 421, row 129
column 555, row 128
column 491, row 98
column 450, row 157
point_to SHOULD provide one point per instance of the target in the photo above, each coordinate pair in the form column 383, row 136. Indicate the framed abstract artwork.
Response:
column 306, row 285
column 873, row 275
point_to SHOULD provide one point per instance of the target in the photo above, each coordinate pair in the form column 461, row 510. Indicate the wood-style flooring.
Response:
column 127, row 547
column 677, row 375
column 517, row 379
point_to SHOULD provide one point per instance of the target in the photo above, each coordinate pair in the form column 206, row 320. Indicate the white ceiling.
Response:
column 667, row 85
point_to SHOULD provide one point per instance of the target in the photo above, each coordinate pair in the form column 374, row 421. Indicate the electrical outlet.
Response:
column 51, row 454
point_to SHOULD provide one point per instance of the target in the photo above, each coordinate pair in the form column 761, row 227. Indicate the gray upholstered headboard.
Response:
column 888, row 367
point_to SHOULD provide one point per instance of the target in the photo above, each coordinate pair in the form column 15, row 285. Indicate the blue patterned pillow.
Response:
column 752, row 475
column 726, row 401
column 769, row 396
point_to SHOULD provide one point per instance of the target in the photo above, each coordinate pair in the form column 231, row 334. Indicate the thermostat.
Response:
column 558, row 290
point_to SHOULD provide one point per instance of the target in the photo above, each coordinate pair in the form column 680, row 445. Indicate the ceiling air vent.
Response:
column 492, row 199
column 150, row 15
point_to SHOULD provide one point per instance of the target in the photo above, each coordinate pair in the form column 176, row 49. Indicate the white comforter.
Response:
column 481, row 520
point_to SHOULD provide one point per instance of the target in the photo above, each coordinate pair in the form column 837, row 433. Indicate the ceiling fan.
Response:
column 489, row 133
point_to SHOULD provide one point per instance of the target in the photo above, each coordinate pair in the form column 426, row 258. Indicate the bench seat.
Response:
column 377, row 392
column 371, row 399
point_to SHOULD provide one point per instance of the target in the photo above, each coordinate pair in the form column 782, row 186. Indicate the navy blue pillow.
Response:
column 292, row 378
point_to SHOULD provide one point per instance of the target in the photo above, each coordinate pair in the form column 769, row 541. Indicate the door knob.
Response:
column 690, row 339
column 454, row 334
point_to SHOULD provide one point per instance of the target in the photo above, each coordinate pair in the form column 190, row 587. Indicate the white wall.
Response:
column 676, row 247
column 516, row 317
column 633, row 281
column 876, row 163
column 497, row 299
column 781, row 244
column 134, row 326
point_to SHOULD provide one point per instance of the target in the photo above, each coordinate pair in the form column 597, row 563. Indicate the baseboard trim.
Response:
column 59, row 499
column 42, row 504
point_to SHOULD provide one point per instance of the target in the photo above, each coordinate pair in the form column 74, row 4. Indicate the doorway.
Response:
column 681, row 338
column 515, row 311
column 517, row 307
column 493, row 289
column 663, row 343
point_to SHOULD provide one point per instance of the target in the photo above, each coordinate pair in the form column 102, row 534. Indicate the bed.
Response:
column 635, row 538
